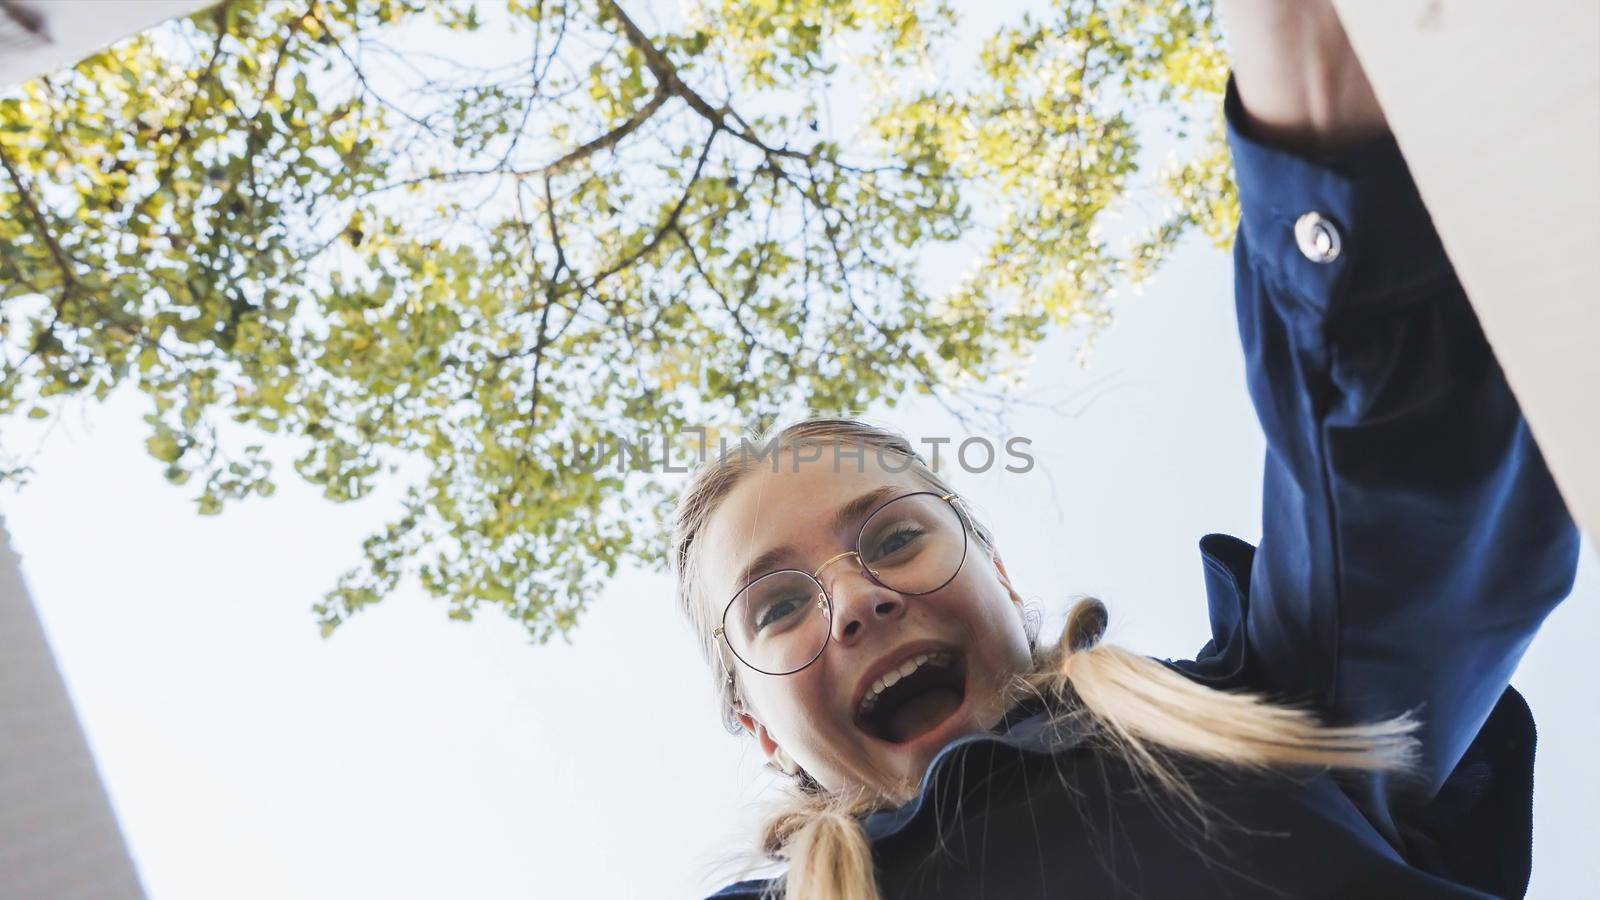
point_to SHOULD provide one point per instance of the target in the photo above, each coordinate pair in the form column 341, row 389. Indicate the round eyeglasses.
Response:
column 781, row 622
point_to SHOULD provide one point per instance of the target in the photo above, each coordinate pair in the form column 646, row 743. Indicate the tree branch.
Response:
column 670, row 222
column 750, row 341
column 583, row 151
column 69, row 280
column 666, row 74
column 170, row 164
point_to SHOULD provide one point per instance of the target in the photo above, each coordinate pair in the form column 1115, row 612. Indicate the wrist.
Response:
column 1300, row 84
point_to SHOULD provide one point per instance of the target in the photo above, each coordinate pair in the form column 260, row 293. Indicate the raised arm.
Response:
column 1412, row 538
column 1300, row 85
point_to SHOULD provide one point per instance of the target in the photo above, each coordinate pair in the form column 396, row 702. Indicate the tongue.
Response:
column 918, row 715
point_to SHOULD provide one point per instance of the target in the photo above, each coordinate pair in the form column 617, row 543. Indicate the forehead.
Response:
column 792, row 507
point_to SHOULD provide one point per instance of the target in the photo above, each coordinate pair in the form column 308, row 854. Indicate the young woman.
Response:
column 1347, row 731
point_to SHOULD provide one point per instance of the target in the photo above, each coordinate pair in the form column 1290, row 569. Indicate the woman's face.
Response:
column 812, row 714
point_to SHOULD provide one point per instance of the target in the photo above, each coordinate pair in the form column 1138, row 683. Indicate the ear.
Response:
column 769, row 747
column 1000, row 567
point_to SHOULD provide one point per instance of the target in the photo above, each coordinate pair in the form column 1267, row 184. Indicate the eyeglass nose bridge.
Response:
column 817, row 575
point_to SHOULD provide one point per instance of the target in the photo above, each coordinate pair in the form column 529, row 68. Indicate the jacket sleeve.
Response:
column 1412, row 538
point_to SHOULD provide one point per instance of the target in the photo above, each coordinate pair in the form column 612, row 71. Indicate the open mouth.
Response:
column 918, row 702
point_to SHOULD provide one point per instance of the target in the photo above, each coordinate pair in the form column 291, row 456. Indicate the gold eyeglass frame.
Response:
column 825, row 599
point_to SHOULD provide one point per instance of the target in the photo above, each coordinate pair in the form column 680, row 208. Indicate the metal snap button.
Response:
column 1317, row 237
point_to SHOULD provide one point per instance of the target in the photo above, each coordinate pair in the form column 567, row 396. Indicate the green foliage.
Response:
column 282, row 217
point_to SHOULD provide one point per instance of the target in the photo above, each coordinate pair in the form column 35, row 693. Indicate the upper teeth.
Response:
column 893, row 676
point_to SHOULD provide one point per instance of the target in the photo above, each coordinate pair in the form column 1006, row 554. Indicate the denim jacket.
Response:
column 1412, row 543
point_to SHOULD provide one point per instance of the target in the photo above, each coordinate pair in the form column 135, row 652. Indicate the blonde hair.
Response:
column 1144, row 711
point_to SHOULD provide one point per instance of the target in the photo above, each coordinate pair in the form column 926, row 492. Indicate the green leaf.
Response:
column 244, row 253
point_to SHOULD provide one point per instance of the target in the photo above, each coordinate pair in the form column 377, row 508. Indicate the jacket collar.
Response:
column 1025, row 727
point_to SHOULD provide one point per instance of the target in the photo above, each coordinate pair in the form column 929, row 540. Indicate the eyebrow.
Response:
column 846, row 514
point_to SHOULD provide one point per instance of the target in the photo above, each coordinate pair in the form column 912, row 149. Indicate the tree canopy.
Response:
column 335, row 222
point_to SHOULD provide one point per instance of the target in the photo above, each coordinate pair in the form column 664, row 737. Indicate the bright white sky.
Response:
column 415, row 757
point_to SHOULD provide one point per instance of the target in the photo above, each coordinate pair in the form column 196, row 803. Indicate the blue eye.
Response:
column 896, row 541
column 781, row 611
column 775, row 612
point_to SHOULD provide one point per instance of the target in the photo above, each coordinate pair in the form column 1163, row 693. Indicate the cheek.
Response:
column 981, row 599
column 995, row 620
column 800, row 708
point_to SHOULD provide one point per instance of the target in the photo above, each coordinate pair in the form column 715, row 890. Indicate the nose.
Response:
column 858, row 601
